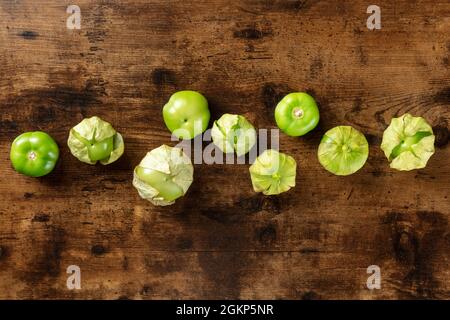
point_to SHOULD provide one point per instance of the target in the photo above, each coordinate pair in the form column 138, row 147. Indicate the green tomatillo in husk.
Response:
column 163, row 175
column 273, row 172
column 297, row 114
column 343, row 150
column 408, row 142
column 94, row 139
column 34, row 154
column 233, row 133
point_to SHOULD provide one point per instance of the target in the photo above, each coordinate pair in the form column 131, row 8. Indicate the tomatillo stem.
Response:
column 297, row 112
column 32, row 155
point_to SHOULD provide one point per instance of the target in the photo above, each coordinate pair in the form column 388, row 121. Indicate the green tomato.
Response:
column 297, row 114
column 343, row 150
column 186, row 114
column 34, row 154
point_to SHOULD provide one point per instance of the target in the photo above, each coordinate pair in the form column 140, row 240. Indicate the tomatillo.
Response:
column 186, row 114
column 408, row 142
column 164, row 175
column 34, row 154
column 233, row 133
column 273, row 172
column 94, row 139
column 297, row 114
column 343, row 150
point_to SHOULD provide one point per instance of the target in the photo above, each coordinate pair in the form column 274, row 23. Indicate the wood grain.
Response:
column 222, row 240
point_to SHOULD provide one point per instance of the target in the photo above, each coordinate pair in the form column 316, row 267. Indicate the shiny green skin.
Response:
column 97, row 150
column 297, row 114
column 160, row 181
column 408, row 142
column 186, row 114
column 34, row 154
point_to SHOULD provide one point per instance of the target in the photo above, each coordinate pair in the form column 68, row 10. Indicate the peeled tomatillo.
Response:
column 34, row 154
column 297, row 114
column 186, row 114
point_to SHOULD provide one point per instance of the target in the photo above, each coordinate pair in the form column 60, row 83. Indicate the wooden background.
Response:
column 222, row 240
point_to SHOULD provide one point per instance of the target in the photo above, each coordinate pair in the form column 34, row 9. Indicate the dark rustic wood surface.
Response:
column 222, row 240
